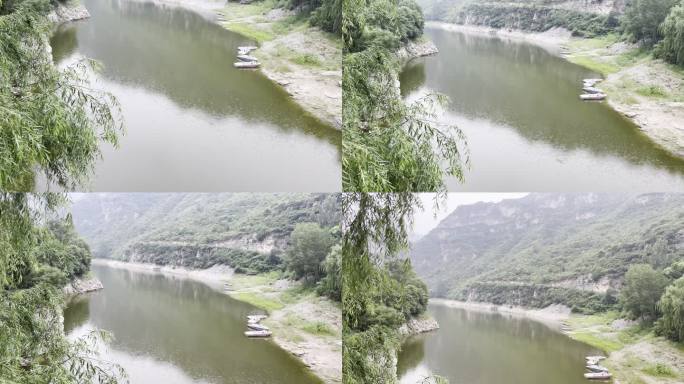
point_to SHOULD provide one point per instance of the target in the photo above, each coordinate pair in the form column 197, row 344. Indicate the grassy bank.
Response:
column 641, row 87
column 303, row 323
column 635, row 354
column 303, row 59
column 608, row 56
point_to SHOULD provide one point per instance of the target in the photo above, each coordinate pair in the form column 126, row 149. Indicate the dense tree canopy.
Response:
column 642, row 19
column 641, row 291
column 309, row 245
column 671, row 47
column 671, row 305
column 50, row 118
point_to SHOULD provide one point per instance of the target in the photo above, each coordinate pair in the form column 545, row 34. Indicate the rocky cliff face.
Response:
column 546, row 246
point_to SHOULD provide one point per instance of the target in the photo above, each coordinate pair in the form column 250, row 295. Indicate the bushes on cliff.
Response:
column 536, row 296
column 534, row 18
column 33, row 348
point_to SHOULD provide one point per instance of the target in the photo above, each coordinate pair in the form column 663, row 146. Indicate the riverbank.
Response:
column 645, row 90
column 635, row 355
column 553, row 316
column 304, row 60
column 304, row 324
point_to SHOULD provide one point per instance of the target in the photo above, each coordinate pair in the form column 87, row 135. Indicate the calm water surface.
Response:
column 488, row 348
column 194, row 123
column 527, row 129
column 175, row 331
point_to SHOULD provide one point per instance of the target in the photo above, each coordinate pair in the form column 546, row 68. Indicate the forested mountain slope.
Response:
column 582, row 17
column 549, row 248
column 247, row 231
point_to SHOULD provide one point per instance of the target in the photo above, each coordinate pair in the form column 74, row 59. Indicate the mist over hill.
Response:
column 572, row 249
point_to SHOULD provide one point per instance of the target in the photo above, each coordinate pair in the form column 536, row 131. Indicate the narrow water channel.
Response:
column 193, row 122
column 487, row 348
column 176, row 331
column 526, row 128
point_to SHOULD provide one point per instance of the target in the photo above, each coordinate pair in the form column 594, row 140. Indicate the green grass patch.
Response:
column 235, row 10
column 659, row 370
column 240, row 281
column 307, row 59
column 594, row 64
column 652, row 91
column 250, row 31
column 259, row 301
column 319, row 328
column 596, row 341
column 593, row 43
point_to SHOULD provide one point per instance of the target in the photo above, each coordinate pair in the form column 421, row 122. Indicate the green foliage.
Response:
column 660, row 370
column 671, row 48
column 52, row 122
column 198, row 256
column 331, row 284
column 388, row 145
column 33, row 348
column 379, row 292
column 328, row 16
column 671, row 305
column 309, row 245
column 642, row 289
column 674, row 271
column 59, row 246
column 642, row 19
column 652, row 91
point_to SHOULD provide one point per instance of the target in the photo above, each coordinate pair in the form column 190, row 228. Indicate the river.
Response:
column 177, row 331
column 193, row 122
column 488, row 348
column 518, row 105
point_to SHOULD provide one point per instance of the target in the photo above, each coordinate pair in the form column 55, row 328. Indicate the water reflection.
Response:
column 166, row 326
column 488, row 348
column 194, row 123
column 517, row 101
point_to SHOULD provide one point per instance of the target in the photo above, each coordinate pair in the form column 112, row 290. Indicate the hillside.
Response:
column 549, row 248
column 246, row 231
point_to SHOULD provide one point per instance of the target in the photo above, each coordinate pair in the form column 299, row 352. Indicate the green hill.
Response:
column 244, row 230
column 572, row 249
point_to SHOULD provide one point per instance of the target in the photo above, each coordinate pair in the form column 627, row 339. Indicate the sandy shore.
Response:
column 660, row 119
column 322, row 354
column 553, row 316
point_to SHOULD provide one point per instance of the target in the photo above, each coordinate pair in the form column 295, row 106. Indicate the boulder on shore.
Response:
column 416, row 326
column 80, row 286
